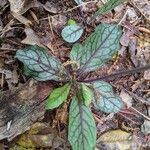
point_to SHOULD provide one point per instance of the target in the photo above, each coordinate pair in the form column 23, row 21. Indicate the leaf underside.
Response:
column 108, row 6
column 71, row 33
column 39, row 64
column 58, row 96
column 82, row 128
column 104, row 99
column 97, row 49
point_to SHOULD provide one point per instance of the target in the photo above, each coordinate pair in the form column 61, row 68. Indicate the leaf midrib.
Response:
column 80, row 71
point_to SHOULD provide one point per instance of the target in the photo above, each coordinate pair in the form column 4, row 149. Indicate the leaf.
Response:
column 87, row 94
column 82, row 128
column 98, row 48
column 105, row 99
column 108, row 6
column 58, row 96
column 71, row 22
column 40, row 65
column 31, row 38
column 114, row 136
column 117, row 140
column 72, row 33
column 78, row 1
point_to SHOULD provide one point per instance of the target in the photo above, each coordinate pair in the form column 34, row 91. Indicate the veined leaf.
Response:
column 78, row 1
column 105, row 99
column 39, row 64
column 108, row 6
column 72, row 33
column 87, row 94
column 82, row 128
column 58, row 96
column 98, row 48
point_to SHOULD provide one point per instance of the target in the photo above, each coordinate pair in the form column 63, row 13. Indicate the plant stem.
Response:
column 120, row 73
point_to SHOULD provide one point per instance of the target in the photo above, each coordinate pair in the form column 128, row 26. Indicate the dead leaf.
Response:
column 40, row 135
column 58, row 21
column 50, row 7
column 19, row 7
column 125, row 38
column 147, row 75
column 31, row 38
column 126, row 98
column 21, row 107
column 114, row 136
column 116, row 139
column 132, row 15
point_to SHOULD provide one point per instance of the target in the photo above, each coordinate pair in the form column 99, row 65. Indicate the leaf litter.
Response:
column 138, row 55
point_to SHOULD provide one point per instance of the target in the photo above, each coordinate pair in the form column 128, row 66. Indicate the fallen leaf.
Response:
column 115, row 139
column 40, row 135
column 19, row 7
column 126, row 98
column 21, row 107
column 147, row 75
column 31, row 38
column 50, row 7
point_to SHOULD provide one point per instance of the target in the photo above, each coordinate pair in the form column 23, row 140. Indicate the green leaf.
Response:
column 105, row 99
column 71, row 22
column 98, row 48
column 58, row 96
column 78, row 1
column 87, row 94
column 40, row 65
column 82, row 128
column 108, row 6
column 72, row 33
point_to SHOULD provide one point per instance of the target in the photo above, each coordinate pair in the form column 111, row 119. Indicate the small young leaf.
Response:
column 72, row 33
column 98, row 48
column 82, row 128
column 71, row 22
column 39, row 64
column 58, row 96
column 87, row 94
column 108, row 6
column 105, row 99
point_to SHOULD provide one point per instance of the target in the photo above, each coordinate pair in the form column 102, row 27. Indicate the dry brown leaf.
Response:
column 147, row 75
column 50, row 7
column 40, row 135
column 21, row 107
column 117, row 139
column 31, row 38
column 126, row 98
column 19, row 7
column 114, row 136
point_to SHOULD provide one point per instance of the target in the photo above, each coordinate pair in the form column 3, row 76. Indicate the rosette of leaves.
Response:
column 96, row 50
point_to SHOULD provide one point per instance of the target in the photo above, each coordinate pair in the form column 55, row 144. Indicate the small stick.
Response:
column 120, row 73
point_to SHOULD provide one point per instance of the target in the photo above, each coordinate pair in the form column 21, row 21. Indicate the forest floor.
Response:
column 40, row 22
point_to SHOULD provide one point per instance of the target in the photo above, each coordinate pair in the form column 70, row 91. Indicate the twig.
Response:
column 142, row 100
column 144, row 30
column 120, row 73
column 146, row 117
column 132, row 3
